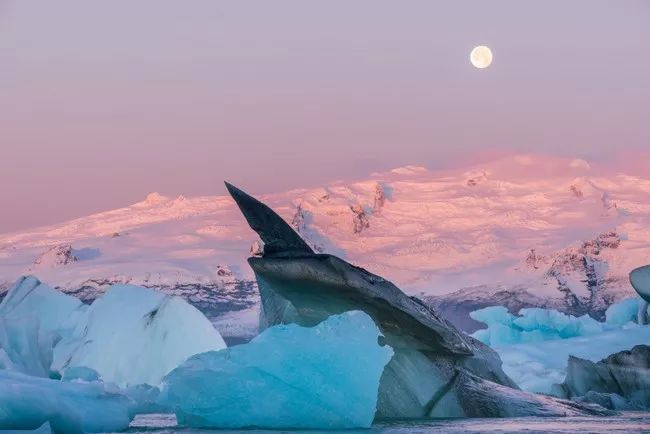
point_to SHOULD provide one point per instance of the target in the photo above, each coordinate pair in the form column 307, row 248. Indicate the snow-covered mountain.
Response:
column 523, row 230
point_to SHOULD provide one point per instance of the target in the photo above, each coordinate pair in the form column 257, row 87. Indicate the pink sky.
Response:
column 102, row 103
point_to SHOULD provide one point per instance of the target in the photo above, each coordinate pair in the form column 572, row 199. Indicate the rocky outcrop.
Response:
column 436, row 370
column 379, row 198
column 621, row 381
column 359, row 219
column 56, row 256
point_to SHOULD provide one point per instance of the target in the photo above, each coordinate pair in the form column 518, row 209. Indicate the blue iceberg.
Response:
column 289, row 376
column 533, row 325
column 625, row 311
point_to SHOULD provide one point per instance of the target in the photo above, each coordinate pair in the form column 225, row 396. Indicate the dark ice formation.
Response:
column 620, row 381
column 436, row 371
column 640, row 280
column 276, row 234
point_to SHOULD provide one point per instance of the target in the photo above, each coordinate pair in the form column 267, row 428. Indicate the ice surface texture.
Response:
column 130, row 336
column 287, row 377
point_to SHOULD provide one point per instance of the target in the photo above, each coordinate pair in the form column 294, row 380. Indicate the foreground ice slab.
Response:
column 436, row 368
column 27, row 402
column 135, row 335
column 287, row 377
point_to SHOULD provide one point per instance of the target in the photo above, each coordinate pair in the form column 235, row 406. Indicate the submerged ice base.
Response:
column 323, row 377
column 27, row 402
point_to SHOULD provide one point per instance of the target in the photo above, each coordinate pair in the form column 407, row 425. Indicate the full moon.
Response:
column 481, row 56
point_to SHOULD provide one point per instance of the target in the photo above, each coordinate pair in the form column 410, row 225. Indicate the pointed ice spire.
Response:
column 277, row 235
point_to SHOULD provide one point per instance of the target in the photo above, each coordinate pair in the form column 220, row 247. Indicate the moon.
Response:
column 481, row 57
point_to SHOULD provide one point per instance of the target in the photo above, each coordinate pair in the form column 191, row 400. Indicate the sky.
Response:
column 104, row 102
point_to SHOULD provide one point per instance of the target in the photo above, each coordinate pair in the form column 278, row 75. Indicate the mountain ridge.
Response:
column 557, row 228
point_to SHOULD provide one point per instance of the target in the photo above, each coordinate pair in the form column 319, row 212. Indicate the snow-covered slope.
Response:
column 537, row 229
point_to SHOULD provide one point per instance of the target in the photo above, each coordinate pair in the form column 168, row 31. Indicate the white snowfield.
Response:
column 557, row 227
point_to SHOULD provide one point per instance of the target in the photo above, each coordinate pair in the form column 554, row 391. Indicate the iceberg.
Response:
column 134, row 335
column 289, row 376
column 533, row 325
column 129, row 336
column 436, row 371
column 27, row 402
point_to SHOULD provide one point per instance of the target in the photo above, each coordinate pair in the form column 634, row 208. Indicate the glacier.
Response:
column 325, row 377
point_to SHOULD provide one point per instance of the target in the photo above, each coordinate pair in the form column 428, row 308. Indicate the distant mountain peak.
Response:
column 153, row 198
column 55, row 256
